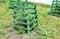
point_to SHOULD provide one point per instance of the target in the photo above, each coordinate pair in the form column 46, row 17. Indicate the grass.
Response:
column 49, row 25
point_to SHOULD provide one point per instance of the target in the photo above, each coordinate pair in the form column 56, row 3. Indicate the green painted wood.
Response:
column 55, row 7
column 11, row 3
column 25, row 15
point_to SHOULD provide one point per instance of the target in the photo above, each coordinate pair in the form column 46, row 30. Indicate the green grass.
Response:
column 49, row 25
column 5, row 17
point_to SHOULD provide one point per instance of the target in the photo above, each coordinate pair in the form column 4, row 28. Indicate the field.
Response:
column 48, row 28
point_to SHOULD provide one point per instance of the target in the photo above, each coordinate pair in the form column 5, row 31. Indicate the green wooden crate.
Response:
column 25, row 16
column 55, row 9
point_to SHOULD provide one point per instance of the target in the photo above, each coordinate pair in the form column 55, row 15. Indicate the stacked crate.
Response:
column 55, row 9
column 25, row 15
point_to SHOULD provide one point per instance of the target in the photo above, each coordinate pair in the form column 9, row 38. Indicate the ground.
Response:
column 49, row 26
